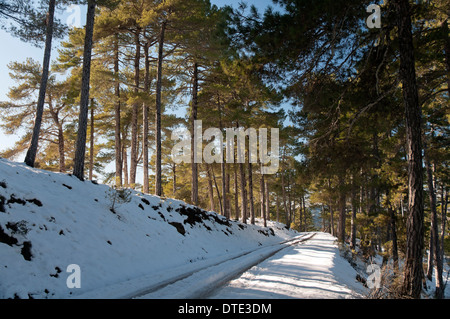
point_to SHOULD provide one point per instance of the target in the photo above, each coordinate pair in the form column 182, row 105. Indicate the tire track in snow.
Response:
column 202, row 282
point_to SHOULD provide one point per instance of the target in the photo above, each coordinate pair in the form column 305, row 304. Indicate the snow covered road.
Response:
column 311, row 269
column 308, row 268
column 202, row 282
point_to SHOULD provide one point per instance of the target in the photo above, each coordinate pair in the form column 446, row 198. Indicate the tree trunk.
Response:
column 32, row 150
column 217, row 188
column 61, row 149
column 80, row 151
column 445, row 32
column 394, row 238
column 289, row 206
column 288, row 221
column 353, row 221
column 145, row 187
column 125, row 166
column 91, row 147
column 267, row 200
column 194, row 165
column 262, row 196
column 210, row 189
column 243, row 193
column 294, row 205
column 302, row 213
column 228, row 198
column 250, row 192
column 332, row 231
column 118, row 142
column 278, row 208
column 158, row 169
column 135, row 111
column 174, row 179
column 223, row 169
column 393, row 229
column 412, row 285
column 236, row 197
column 434, row 253
column 341, row 226
column 444, row 200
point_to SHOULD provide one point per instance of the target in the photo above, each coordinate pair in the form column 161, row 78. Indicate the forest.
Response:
column 362, row 111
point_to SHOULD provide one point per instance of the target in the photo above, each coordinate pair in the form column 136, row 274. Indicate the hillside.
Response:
column 49, row 221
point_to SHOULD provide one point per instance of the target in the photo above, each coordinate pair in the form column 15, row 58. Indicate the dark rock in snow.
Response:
column 7, row 239
column 179, row 227
column 26, row 250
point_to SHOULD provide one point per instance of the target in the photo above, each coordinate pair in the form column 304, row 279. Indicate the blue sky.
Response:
column 15, row 50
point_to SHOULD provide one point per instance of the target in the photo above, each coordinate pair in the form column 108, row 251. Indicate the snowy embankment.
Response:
column 49, row 221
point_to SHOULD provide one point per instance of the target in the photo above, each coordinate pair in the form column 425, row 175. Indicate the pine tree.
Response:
column 84, row 101
column 58, row 110
column 31, row 153
column 415, row 232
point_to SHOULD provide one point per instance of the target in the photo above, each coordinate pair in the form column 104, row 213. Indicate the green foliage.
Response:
column 117, row 196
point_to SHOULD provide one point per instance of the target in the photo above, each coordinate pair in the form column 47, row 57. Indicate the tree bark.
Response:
column 236, row 197
column 278, row 208
column 80, row 151
column 118, row 142
column 393, row 230
column 333, row 232
column 91, row 147
column 158, row 169
column 30, row 157
column 267, row 200
column 210, row 189
column 61, row 149
column 302, row 205
column 353, row 221
column 217, row 188
column 283, row 191
column 413, row 270
column 223, row 169
column 228, row 198
column 125, row 166
column 262, row 196
column 174, row 179
column 250, row 192
column 145, row 187
column 444, row 200
column 135, row 111
column 445, row 32
column 194, row 165
column 434, row 251
column 341, row 226
column 243, row 193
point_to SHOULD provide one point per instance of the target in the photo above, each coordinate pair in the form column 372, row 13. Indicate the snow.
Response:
column 150, row 247
column 70, row 222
